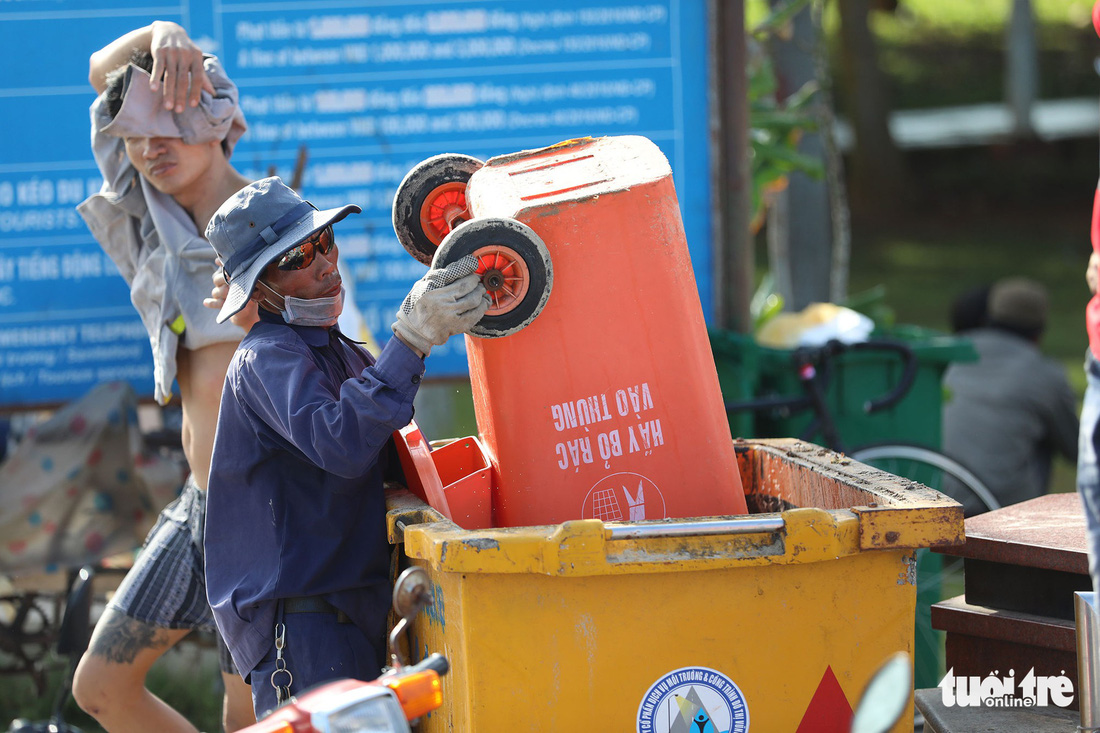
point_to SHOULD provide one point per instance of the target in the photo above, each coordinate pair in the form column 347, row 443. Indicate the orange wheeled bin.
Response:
column 595, row 390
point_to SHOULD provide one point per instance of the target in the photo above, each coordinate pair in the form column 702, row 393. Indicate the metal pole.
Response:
column 1021, row 67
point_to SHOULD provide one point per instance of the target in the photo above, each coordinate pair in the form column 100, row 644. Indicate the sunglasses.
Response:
column 302, row 256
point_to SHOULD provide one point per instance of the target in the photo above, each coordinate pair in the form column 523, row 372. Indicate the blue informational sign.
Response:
column 369, row 89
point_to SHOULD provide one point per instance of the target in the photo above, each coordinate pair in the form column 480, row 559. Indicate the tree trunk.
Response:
column 733, row 251
column 878, row 178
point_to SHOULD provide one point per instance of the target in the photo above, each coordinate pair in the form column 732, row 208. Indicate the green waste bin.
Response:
column 748, row 370
column 737, row 359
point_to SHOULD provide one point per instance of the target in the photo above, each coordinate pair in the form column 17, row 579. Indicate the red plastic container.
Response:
column 453, row 478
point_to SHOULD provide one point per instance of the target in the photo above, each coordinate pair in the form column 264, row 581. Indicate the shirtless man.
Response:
column 164, row 125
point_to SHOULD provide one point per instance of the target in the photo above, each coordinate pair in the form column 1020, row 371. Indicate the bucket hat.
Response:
column 256, row 226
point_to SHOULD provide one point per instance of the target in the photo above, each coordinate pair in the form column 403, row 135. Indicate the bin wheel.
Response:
column 431, row 202
column 515, row 268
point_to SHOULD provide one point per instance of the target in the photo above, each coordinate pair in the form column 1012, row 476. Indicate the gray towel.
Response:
column 152, row 240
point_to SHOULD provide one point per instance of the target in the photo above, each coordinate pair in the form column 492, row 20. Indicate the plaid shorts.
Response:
column 166, row 587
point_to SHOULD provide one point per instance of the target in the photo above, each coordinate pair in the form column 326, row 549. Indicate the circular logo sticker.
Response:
column 693, row 700
column 623, row 497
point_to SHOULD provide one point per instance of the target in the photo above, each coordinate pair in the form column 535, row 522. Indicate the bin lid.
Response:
column 572, row 170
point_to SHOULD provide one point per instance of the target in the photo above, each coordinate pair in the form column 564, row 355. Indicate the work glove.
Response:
column 446, row 301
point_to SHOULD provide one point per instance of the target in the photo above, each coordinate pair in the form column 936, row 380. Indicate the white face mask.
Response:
column 309, row 311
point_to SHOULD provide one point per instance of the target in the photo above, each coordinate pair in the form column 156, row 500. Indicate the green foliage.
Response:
column 921, row 38
column 950, row 18
column 776, row 18
column 775, row 126
column 765, row 303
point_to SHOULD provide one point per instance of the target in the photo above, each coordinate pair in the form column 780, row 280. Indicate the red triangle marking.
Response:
column 829, row 710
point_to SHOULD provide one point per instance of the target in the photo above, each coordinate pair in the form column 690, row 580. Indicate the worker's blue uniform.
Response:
column 296, row 507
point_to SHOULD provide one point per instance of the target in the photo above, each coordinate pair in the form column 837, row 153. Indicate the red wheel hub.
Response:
column 505, row 276
column 443, row 210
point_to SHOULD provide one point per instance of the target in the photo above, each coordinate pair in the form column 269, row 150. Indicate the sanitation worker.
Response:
column 297, row 558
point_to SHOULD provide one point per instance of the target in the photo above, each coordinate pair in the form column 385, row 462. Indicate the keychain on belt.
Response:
column 282, row 692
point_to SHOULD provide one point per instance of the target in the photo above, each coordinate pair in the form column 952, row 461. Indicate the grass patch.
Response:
column 983, row 215
column 965, row 232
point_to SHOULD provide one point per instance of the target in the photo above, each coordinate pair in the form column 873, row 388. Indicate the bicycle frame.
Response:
column 814, row 368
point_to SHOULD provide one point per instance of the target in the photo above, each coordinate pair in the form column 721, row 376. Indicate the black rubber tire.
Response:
column 528, row 246
column 415, row 188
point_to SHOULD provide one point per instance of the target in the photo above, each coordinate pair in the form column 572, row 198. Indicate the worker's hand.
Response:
column 1090, row 272
column 445, row 302
column 177, row 64
column 245, row 317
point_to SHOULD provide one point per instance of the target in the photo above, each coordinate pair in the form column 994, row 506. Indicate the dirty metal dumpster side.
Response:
column 773, row 620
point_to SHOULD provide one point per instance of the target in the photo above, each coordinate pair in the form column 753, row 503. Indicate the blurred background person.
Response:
column 970, row 309
column 1010, row 412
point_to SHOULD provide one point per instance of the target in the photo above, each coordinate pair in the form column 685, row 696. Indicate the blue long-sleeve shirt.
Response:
column 295, row 504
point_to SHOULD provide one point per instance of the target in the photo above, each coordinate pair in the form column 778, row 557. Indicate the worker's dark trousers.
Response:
column 318, row 649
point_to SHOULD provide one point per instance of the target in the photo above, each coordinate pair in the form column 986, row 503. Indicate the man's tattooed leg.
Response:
column 119, row 638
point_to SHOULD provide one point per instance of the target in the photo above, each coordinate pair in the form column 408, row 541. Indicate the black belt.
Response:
column 314, row 604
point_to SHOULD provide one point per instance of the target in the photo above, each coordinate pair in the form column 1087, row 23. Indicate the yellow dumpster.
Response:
column 775, row 620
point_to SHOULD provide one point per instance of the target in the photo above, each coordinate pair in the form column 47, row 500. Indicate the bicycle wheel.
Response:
column 934, row 470
column 938, row 576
